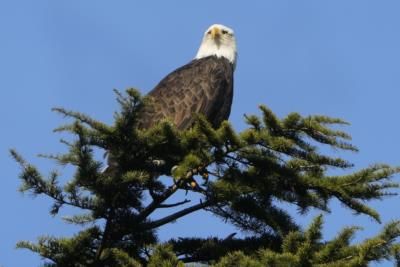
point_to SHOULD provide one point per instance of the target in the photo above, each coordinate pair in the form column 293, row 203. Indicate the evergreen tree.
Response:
column 239, row 177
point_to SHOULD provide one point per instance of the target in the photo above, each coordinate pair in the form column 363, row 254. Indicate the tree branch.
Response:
column 174, row 205
column 156, row 202
column 105, row 236
column 177, row 215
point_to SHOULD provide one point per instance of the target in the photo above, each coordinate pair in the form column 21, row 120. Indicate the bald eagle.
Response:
column 204, row 85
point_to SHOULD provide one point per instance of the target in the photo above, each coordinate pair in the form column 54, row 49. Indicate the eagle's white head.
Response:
column 219, row 41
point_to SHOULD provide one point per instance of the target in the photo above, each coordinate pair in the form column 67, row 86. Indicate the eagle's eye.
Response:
column 209, row 32
column 224, row 32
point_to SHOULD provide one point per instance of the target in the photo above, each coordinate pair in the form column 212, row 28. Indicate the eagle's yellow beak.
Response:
column 215, row 32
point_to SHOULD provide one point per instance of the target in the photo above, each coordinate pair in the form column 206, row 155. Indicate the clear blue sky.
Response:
column 339, row 58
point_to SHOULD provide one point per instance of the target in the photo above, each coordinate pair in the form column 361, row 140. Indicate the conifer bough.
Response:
column 239, row 177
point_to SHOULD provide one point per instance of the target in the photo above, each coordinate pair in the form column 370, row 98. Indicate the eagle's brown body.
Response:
column 203, row 86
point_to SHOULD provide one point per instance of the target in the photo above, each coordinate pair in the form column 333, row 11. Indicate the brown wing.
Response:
column 203, row 86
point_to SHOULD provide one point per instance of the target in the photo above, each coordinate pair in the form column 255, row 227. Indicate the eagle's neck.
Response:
column 212, row 49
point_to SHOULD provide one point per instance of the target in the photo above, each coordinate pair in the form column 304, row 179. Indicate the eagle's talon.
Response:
column 173, row 169
column 158, row 162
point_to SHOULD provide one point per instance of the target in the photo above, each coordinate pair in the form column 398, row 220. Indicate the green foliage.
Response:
column 163, row 256
column 75, row 251
column 241, row 178
column 307, row 249
column 238, row 259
